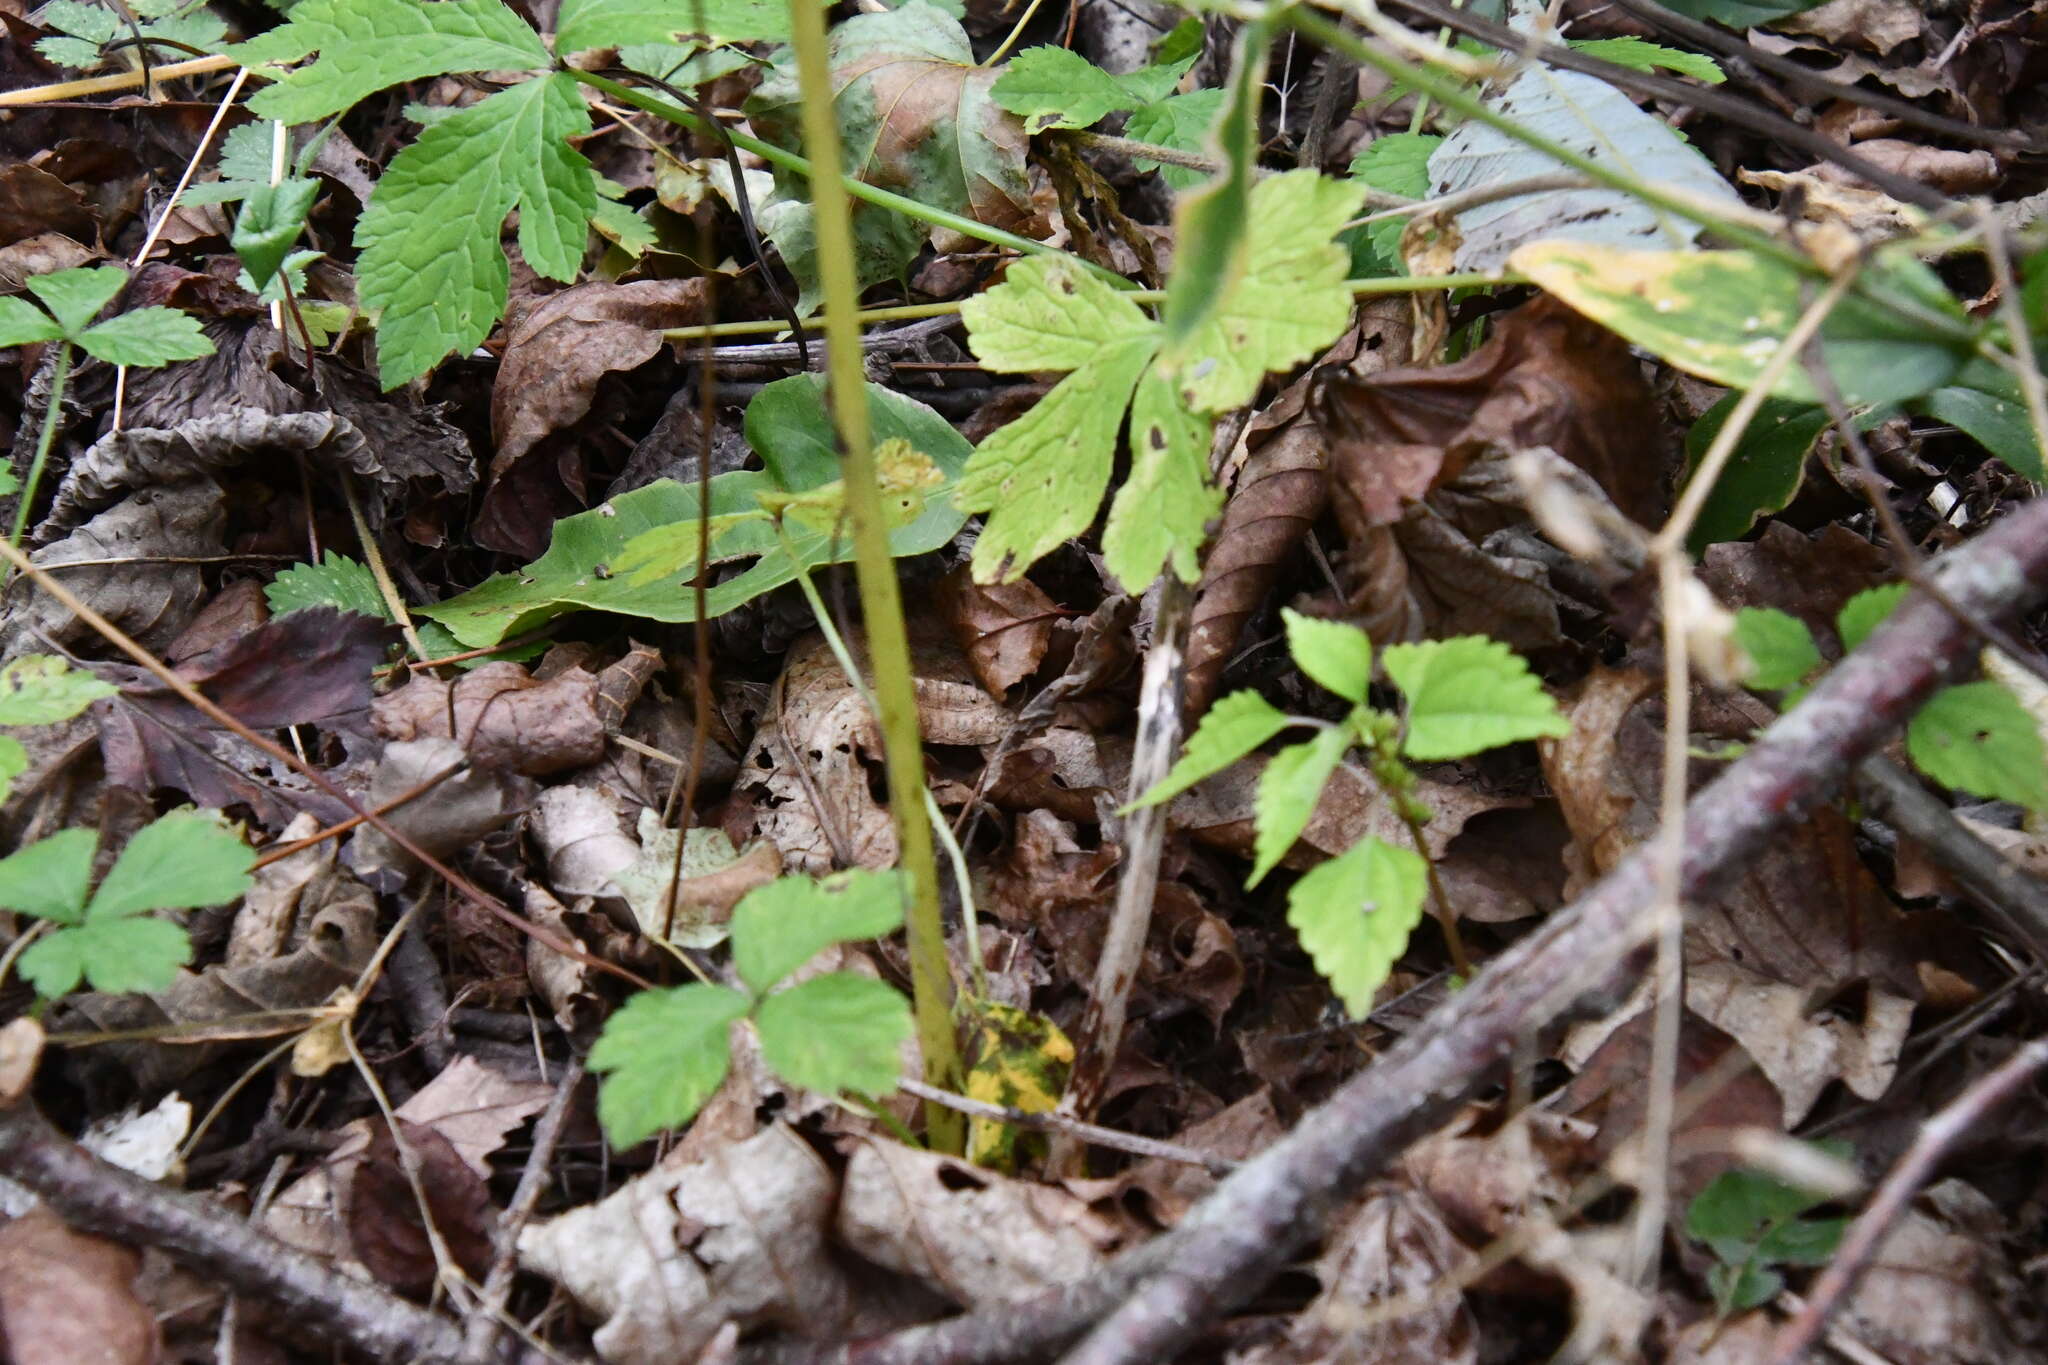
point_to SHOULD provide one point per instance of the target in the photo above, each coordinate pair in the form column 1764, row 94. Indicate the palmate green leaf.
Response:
column 586, row 24
column 146, row 337
column 779, row 927
column 75, row 297
column 42, row 689
column 183, row 861
column 1764, row 473
column 366, row 45
column 1779, row 646
column 662, row 1054
column 132, row 954
column 836, row 1033
column 1049, row 314
column 1866, row 611
column 1354, row 915
column 1396, row 163
column 49, row 878
column 1181, row 122
column 1978, row 738
column 1640, row 54
column 1232, row 728
column 1162, row 513
column 1336, row 656
column 431, row 262
column 1468, row 694
column 1289, row 789
column 24, row 324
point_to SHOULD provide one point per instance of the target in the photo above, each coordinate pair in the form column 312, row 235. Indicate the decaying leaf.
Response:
column 66, row 1298
column 459, row 803
column 387, row 1226
column 503, row 716
column 1003, row 628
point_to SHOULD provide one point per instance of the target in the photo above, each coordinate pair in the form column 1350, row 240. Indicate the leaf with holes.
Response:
column 1978, row 738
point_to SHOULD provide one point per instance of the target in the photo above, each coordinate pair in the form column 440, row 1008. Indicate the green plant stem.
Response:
column 60, row 372
column 1016, row 32
column 881, row 603
column 848, row 185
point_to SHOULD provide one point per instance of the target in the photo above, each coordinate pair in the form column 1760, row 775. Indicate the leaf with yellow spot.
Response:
column 1022, row 1061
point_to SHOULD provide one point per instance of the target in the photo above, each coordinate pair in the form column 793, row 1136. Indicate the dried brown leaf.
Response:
column 386, row 1226
column 69, row 1299
column 502, row 716
column 1003, row 628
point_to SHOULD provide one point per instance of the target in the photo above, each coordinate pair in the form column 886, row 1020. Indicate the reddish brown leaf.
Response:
column 384, row 1223
column 1003, row 628
column 69, row 1299
column 503, row 717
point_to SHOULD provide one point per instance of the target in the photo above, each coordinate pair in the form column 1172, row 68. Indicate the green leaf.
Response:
column 136, row 954
column 1978, row 738
column 244, row 165
column 1354, row 915
column 182, row 861
column 337, row 581
column 779, row 927
column 1803, row 1241
column 1055, row 87
column 1163, row 511
column 146, row 337
column 1049, row 314
column 1739, row 13
column 586, row 24
column 1288, row 303
column 1212, row 222
column 431, row 260
column 42, row 689
column 13, row 763
column 1289, row 789
column 788, row 427
column 1741, row 1287
column 1722, row 314
column 75, row 297
column 23, row 324
column 1396, row 163
column 1232, row 728
column 1468, row 694
column 1639, row 54
column 1336, row 656
column 366, row 45
column 1041, row 478
column 1764, row 472
column 1996, row 421
column 662, row 1054
column 1181, row 122
column 271, row 220
column 1866, row 611
column 835, row 1033
column 48, row 879
column 1779, row 646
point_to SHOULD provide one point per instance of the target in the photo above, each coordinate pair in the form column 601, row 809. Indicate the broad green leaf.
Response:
column 48, row 879
column 54, row 964
column 1212, row 222
column 662, row 1054
column 1779, row 646
column 23, row 324
column 1640, row 54
column 75, row 297
column 1055, row 87
column 132, row 954
column 42, row 689
column 366, row 45
column 13, row 763
column 146, row 337
column 1468, row 694
column 1289, row 789
column 788, row 427
column 1233, row 727
column 1181, row 122
column 1049, row 314
column 1764, row 473
column 779, row 927
column 1803, row 1241
column 1866, row 611
column 836, row 1033
column 337, row 581
column 1041, row 478
column 1290, row 300
column 1722, row 314
column 1162, row 513
column 1396, row 163
column 1337, row 657
column 271, row 220
column 1978, row 738
column 1739, row 13
column 431, row 260
column 1354, row 914
column 585, row 24
column 180, row 862
column 1996, row 421
column 1741, row 1207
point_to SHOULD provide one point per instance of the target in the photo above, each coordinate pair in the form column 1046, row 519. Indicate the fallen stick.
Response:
column 1156, row 1299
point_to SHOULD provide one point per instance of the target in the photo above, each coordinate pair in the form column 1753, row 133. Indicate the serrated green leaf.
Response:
column 1050, row 314
column 623, row 227
column 431, row 260
column 23, row 324
column 1468, row 694
column 1739, row 13
column 836, row 1033
column 366, row 45
column 54, row 964
column 1162, row 513
column 779, row 927
column 1289, row 302
column 42, row 689
column 1232, row 728
column 1779, row 646
column 1997, row 421
column 1765, row 471
column 1740, row 1207
column 1181, row 122
column 1354, row 915
column 1182, row 44
column 48, row 879
column 1978, row 738
column 146, row 337
column 1866, row 611
column 1336, row 656
column 13, row 763
column 1289, row 789
column 1396, row 163
column 74, row 297
column 1640, row 54
column 182, row 861
column 662, row 1054
column 586, row 24
column 1055, row 87
column 1041, row 478
column 137, row 954
column 337, row 581
column 271, row 220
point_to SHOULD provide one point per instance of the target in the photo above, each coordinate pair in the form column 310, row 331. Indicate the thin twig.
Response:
column 480, row 1334
column 1053, row 1122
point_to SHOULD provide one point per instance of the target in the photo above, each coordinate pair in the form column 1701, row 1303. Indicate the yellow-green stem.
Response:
column 60, row 371
column 881, row 604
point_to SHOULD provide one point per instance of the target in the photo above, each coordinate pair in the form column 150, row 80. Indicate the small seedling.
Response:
column 1755, row 1224
column 39, row 689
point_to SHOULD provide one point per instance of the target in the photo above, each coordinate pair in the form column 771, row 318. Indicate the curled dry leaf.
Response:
column 66, row 1298
column 154, row 542
column 1003, row 628
column 460, row 802
column 1940, row 1288
column 502, row 716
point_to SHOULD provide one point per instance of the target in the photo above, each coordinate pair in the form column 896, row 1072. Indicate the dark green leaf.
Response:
column 1764, row 472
